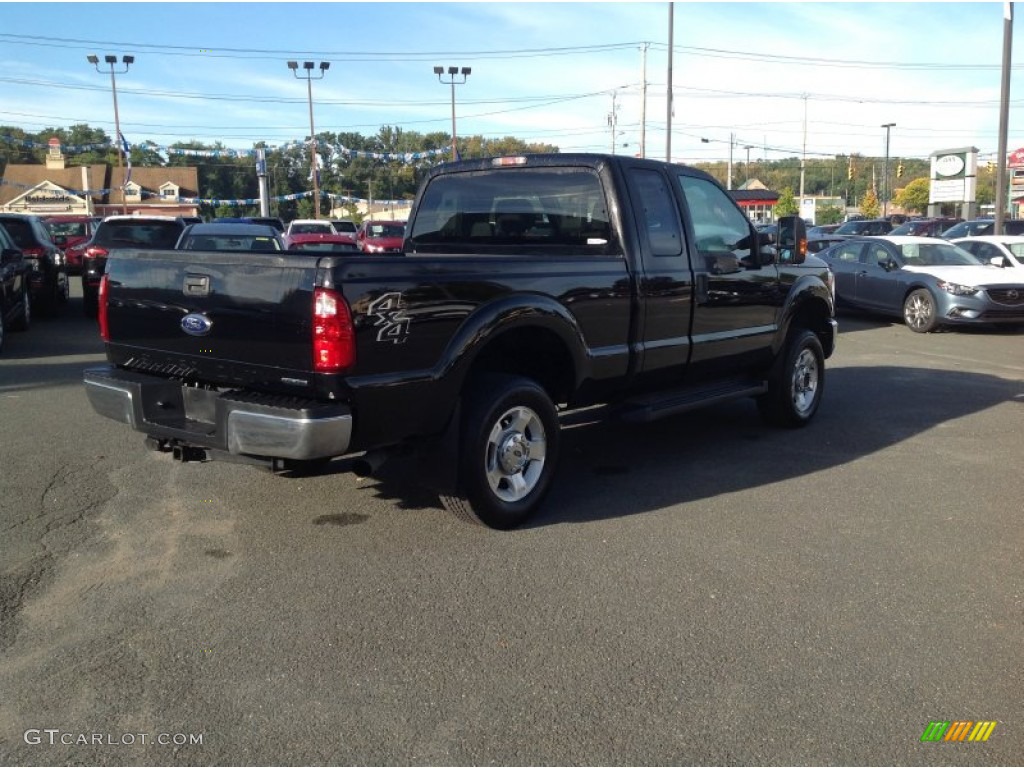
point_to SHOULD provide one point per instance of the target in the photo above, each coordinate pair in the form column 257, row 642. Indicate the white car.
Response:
column 999, row 250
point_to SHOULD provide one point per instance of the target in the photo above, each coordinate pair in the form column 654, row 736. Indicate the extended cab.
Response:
column 528, row 286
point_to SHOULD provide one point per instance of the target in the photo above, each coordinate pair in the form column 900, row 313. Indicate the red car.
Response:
column 381, row 236
column 321, row 242
column 70, row 234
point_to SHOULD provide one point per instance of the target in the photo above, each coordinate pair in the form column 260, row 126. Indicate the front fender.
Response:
column 809, row 304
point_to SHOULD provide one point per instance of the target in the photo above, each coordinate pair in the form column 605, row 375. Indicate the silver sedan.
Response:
column 927, row 282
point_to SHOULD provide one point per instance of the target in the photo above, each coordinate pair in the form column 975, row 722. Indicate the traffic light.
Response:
column 899, row 171
column 849, row 170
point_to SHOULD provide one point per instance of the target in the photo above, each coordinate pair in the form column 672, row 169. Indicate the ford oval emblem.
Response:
column 195, row 324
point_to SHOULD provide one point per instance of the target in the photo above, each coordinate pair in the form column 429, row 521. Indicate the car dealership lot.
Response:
column 702, row 590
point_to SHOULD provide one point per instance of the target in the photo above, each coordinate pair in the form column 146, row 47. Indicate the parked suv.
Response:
column 48, row 276
column 925, row 227
column 976, row 227
column 860, row 227
column 14, row 299
column 71, row 234
column 117, row 233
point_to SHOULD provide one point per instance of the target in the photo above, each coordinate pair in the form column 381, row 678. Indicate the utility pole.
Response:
column 261, row 178
column 732, row 140
column 803, row 156
column 613, row 121
column 668, row 118
column 119, row 141
column 885, row 172
column 314, row 170
column 1004, row 116
column 643, row 105
column 452, row 73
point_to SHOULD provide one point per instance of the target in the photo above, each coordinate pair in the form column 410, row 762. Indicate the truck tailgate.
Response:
column 224, row 318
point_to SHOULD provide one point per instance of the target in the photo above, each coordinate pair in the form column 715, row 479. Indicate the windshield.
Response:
column 229, row 243
column 385, row 230
column 67, row 228
column 853, row 228
column 311, row 229
column 936, row 255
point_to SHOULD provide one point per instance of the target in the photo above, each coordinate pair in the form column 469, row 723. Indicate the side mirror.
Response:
column 792, row 240
column 998, row 261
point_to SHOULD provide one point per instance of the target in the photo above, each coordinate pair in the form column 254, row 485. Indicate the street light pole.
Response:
column 307, row 68
column 885, row 172
column 110, row 61
column 452, row 73
column 748, row 147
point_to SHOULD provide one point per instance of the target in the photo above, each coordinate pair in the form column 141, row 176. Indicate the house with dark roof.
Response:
column 96, row 190
column 756, row 200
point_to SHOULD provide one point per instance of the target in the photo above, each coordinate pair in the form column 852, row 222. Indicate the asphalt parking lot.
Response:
column 705, row 590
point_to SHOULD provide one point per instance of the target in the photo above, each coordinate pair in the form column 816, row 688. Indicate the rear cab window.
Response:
column 538, row 211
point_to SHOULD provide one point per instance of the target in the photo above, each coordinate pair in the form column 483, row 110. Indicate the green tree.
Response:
column 787, row 205
column 829, row 214
column 914, row 196
column 870, row 208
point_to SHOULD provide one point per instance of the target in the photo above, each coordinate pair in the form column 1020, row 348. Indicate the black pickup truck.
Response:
column 528, row 286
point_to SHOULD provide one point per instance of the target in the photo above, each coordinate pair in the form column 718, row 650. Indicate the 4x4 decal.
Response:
column 390, row 318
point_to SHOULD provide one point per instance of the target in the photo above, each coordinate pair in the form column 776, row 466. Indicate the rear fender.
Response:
column 510, row 313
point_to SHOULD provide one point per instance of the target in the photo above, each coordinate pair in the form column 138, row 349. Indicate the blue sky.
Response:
column 541, row 71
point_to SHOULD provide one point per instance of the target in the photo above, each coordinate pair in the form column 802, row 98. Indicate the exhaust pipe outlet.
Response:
column 186, row 453
column 368, row 463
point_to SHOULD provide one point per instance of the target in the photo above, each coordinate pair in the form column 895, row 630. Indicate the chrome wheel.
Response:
column 804, row 387
column 919, row 312
column 516, row 453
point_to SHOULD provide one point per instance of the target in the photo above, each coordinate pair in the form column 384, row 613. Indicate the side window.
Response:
column 719, row 226
column 848, row 253
column 879, row 256
column 660, row 216
column 986, row 251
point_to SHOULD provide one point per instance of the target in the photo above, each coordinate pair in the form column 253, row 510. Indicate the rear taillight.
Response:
column 104, row 323
column 33, row 253
column 334, row 341
column 95, row 252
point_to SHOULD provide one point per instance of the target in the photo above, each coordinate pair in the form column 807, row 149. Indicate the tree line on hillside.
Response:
column 852, row 178
column 222, row 177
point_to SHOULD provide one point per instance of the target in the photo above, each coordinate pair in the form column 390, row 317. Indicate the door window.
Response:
column 719, row 226
column 660, row 219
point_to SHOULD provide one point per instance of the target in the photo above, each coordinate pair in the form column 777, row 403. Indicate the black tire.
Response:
column 796, row 382
column 919, row 312
column 64, row 289
column 508, row 453
column 24, row 320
